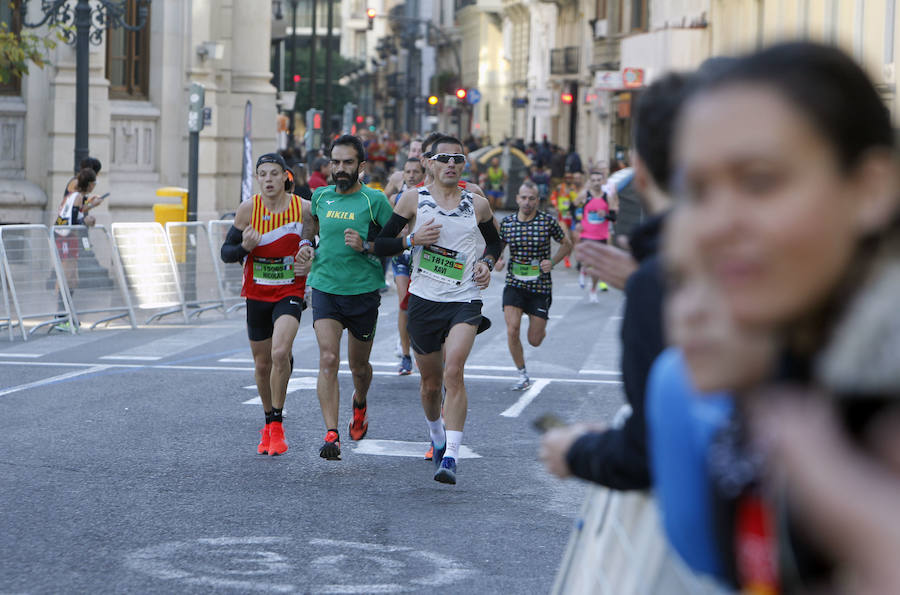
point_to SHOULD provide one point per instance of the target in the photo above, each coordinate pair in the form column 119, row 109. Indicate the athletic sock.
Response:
column 268, row 417
column 436, row 429
column 454, row 440
column 276, row 414
column 523, row 372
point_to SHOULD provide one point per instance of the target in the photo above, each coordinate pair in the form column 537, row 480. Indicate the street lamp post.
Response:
column 90, row 23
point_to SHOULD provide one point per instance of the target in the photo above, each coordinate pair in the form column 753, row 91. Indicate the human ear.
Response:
column 876, row 183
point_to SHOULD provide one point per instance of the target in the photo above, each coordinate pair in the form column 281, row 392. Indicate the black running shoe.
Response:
column 331, row 450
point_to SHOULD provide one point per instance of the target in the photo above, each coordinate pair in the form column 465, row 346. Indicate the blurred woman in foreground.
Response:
column 786, row 163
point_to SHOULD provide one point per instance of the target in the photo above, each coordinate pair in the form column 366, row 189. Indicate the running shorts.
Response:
column 430, row 322
column 400, row 265
column 261, row 316
column 357, row 313
column 530, row 302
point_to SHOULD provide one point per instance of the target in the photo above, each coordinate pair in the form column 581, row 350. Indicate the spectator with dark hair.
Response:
column 91, row 163
column 617, row 458
column 321, row 171
column 801, row 129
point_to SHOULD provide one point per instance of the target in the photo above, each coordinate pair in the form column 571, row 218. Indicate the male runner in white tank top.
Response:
column 448, row 272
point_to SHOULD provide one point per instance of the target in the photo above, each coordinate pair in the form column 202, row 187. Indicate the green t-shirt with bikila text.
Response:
column 338, row 268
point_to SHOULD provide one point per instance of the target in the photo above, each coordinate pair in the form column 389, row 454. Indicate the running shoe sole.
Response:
column 445, row 475
column 330, row 451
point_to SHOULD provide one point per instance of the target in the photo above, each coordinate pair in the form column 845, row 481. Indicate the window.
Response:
column 601, row 9
column 639, row 15
column 9, row 13
column 128, row 56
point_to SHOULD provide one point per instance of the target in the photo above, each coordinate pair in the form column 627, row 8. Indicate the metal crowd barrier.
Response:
column 195, row 260
column 29, row 255
column 97, row 285
column 230, row 274
column 148, row 264
column 67, row 274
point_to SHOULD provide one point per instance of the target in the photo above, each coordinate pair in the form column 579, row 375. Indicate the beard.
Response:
column 344, row 182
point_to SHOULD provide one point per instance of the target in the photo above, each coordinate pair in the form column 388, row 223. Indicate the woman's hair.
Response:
column 825, row 84
column 91, row 162
column 86, row 177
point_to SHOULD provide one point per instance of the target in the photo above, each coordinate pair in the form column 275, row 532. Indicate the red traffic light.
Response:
column 370, row 13
column 359, row 119
column 296, row 78
column 461, row 94
column 567, row 98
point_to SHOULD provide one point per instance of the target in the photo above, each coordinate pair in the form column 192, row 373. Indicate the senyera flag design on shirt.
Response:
column 269, row 270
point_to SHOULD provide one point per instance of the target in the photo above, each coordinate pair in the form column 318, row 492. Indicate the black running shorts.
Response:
column 261, row 316
column 430, row 322
column 357, row 313
column 533, row 304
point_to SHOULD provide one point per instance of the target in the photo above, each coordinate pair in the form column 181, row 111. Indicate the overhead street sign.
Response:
column 474, row 96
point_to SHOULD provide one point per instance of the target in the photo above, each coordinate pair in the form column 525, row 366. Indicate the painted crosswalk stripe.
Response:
column 527, row 397
column 399, row 448
column 294, row 384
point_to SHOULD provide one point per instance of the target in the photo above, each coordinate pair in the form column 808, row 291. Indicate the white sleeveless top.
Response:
column 443, row 272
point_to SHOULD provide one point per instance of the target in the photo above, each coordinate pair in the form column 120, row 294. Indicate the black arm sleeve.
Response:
column 387, row 243
column 611, row 215
column 232, row 251
column 493, row 242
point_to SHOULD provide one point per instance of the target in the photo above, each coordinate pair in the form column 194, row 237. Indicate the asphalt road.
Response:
column 128, row 463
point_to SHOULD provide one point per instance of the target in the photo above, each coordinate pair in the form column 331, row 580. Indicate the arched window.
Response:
column 128, row 57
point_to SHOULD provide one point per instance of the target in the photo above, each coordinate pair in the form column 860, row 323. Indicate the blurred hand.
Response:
column 555, row 445
column 90, row 220
column 250, row 238
column 605, row 262
column 546, row 265
column 427, row 234
column 498, row 266
column 482, row 275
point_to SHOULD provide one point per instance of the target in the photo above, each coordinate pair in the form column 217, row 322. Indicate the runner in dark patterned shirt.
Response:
column 528, row 285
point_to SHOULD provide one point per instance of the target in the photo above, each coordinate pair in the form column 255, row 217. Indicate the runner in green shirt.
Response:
column 345, row 279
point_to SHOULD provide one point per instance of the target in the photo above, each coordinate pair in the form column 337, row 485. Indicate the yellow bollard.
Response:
column 165, row 212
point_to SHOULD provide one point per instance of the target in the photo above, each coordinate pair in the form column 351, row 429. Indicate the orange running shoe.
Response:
column 277, row 445
column 331, row 449
column 430, row 454
column 263, row 447
column 360, row 424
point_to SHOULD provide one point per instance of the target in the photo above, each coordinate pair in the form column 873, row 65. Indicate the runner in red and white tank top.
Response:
column 269, row 268
column 267, row 234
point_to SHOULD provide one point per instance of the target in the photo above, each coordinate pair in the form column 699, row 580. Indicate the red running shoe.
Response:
column 331, row 450
column 263, row 447
column 277, row 445
column 430, row 454
column 360, row 424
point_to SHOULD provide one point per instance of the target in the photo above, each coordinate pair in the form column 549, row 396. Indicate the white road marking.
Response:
column 52, row 379
column 170, row 345
column 601, row 372
column 136, row 358
column 530, row 395
column 294, row 384
column 21, row 354
column 400, row 448
column 187, row 368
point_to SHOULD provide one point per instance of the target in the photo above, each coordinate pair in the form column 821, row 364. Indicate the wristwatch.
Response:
column 365, row 249
column 488, row 261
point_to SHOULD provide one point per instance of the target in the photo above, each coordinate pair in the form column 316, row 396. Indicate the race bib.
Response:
column 273, row 271
column 525, row 271
column 596, row 217
column 442, row 264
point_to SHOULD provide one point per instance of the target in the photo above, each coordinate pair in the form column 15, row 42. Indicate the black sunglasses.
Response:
column 456, row 158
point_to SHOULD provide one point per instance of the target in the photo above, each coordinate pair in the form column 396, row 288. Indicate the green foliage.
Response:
column 340, row 94
column 19, row 50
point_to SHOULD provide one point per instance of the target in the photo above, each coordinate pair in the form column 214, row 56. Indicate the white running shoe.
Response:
column 592, row 297
column 581, row 280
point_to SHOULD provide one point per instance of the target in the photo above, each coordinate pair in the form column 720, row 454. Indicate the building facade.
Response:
column 138, row 112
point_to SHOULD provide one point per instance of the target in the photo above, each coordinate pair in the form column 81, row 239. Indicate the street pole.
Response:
column 107, row 14
column 82, row 81
column 311, row 154
column 293, row 72
column 326, row 125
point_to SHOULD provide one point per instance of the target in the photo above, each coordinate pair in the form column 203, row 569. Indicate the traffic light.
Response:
column 432, row 105
column 461, row 94
column 567, row 98
column 360, row 119
column 371, row 15
column 432, row 100
column 296, row 78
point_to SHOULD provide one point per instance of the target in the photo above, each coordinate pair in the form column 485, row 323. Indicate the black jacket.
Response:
column 617, row 458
